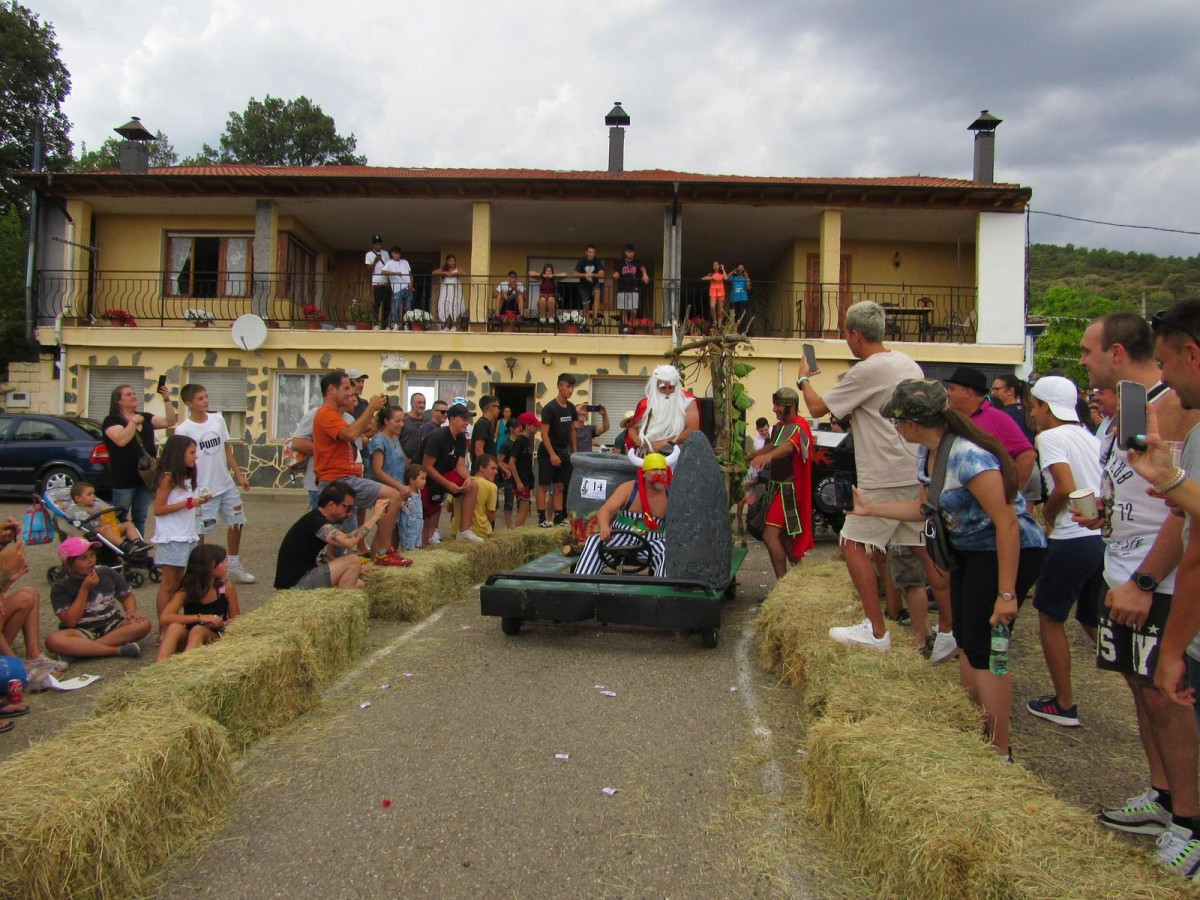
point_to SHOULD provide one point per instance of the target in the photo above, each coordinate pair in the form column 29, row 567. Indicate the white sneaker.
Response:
column 241, row 576
column 436, row 539
column 374, row 327
column 469, row 536
column 1179, row 851
column 861, row 634
column 944, row 647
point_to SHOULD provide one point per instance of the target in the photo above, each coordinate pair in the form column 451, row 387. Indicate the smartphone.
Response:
column 843, row 493
column 1131, row 414
column 593, row 407
column 162, row 382
column 810, row 354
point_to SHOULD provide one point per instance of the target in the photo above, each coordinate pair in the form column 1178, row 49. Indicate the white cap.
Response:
column 1060, row 394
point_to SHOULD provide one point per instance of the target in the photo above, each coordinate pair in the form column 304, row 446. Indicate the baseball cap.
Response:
column 1060, row 394
column 355, row 374
column 458, row 411
column 915, row 400
column 527, row 418
column 75, row 546
column 968, row 377
column 787, row 396
column 378, row 239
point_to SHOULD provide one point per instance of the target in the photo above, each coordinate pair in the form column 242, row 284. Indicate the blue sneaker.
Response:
column 1049, row 709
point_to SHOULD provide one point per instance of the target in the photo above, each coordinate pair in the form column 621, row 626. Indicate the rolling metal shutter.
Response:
column 617, row 395
column 102, row 379
column 227, row 388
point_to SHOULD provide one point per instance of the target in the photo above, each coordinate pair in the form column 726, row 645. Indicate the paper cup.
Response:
column 1085, row 501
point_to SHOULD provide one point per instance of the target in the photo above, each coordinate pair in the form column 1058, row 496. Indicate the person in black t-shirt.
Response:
column 630, row 275
column 445, row 464
column 304, row 559
column 517, row 457
column 590, row 272
column 124, row 429
column 558, row 443
column 483, row 435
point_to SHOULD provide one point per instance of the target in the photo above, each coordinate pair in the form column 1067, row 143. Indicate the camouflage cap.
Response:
column 916, row 400
column 786, row 396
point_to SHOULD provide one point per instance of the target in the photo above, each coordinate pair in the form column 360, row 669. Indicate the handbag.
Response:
column 145, row 467
column 756, row 516
column 37, row 526
column 937, row 539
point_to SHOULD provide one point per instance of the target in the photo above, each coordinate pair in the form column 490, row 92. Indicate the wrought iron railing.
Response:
column 775, row 309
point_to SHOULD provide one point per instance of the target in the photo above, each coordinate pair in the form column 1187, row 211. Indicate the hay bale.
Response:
column 928, row 812
column 251, row 685
column 509, row 549
column 333, row 622
column 97, row 809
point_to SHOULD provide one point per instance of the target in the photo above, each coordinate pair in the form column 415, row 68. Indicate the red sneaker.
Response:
column 391, row 558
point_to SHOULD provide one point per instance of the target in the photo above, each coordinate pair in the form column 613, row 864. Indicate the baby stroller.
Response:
column 130, row 560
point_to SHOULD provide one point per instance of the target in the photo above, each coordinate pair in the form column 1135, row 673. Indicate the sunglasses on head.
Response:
column 1159, row 321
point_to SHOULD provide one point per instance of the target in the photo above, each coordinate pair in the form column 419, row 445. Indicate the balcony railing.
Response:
column 775, row 309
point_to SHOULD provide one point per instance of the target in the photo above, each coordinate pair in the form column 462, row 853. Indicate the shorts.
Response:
column 1074, row 574
column 366, row 491
column 226, row 506
column 973, row 597
column 548, row 474
column 1133, row 651
column 174, row 553
column 313, row 579
column 99, row 631
column 628, row 300
column 431, row 508
column 904, row 568
column 878, row 533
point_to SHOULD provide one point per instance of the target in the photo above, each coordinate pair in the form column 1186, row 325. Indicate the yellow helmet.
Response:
column 654, row 461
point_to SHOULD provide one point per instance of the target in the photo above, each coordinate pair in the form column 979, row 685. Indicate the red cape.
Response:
column 802, row 478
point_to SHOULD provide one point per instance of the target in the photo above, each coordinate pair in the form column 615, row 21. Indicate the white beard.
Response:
column 666, row 417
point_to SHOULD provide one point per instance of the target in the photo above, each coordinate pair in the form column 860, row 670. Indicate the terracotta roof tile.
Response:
column 640, row 175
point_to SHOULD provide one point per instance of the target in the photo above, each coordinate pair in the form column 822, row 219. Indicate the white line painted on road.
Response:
column 382, row 653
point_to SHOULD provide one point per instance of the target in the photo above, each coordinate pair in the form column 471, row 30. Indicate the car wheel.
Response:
column 58, row 477
column 510, row 625
column 708, row 638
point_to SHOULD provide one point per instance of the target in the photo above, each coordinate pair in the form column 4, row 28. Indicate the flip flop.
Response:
column 7, row 726
column 7, row 713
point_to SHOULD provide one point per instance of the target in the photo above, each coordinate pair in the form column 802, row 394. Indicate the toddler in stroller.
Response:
column 120, row 545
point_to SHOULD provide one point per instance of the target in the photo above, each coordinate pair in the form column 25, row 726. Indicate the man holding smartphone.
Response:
column 585, row 432
column 1142, row 549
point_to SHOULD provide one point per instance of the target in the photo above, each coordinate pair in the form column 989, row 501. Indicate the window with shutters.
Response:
column 101, row 380
column 295, row 394
column 209, row 265
column 227, row 392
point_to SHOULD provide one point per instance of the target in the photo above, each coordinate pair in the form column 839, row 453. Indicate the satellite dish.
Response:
column 249, row 332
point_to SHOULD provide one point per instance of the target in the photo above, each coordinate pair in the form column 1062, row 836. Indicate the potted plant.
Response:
column 417, row 320
column 643, row 326
column 201, row 318
column 119, row 318
column 571, row 320
column 509, row 320
column 313, row 317
column 696, row 326
column 361, row 315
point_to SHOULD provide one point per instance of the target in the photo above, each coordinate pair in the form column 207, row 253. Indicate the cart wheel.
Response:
column 510, row 625
column 731, row 589
column 708, row 638
column 52, row 573
column 155, row 574
column 135, row 578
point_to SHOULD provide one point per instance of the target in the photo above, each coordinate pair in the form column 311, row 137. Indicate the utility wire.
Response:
column 1039, row 212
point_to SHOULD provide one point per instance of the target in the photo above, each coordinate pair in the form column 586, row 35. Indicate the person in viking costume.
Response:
column 665, row 416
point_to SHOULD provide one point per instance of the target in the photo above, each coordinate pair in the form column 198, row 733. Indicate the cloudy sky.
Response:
column 1098, row 97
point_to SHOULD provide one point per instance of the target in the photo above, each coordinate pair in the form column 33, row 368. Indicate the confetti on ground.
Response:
column 801, row 751
column 609, row 792
column 466, row 628
column 364, row 704
column 609, row 693
column 387, row 803
column 562, row 756
column 733, row 690
column 599, row 687
column 384, row 687
column 408, row 674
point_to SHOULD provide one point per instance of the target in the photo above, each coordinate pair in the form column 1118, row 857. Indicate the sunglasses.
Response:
column 1159, row 321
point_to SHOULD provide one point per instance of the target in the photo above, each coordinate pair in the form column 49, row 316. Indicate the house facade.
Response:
column 183, row 252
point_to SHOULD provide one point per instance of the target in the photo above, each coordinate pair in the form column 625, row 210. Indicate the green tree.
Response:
column 33, row 85
column 274, row 132
column 1068, row 312
column 12, row 290
column 108, row 155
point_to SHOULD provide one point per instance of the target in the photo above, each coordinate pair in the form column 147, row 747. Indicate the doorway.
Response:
column 517, row 396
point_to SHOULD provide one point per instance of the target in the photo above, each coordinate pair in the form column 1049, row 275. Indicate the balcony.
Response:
column 916, row 313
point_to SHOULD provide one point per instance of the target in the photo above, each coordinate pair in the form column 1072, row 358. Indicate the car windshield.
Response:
column 92, row 428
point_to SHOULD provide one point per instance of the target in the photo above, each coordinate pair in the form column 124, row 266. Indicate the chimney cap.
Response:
column 617, row 116
column 985, row 122
column 134, row 130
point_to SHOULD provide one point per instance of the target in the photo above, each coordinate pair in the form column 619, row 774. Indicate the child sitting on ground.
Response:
column 484, row 518
column 85, row 504
column 412, row 519
column 197, row 613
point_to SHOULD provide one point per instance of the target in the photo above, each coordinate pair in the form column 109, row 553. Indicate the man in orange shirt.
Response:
column 335, row 458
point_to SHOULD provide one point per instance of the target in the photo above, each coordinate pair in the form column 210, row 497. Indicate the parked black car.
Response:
column 42, row 451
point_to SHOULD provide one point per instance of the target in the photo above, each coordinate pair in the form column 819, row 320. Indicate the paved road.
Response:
column 463, row 744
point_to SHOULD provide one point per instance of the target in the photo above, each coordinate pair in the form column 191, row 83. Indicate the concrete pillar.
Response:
column 1000, row 279
column 478, row 294
column 266, row 241
column 831, row 268
column 672, row 264
column 79, row 232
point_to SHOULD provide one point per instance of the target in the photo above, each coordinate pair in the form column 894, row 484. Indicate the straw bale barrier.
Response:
column 922, row 804
column 95, row 810
column 446, row 574
column 251, row 685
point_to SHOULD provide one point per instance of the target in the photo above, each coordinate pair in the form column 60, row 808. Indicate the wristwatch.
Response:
column 1144, row 581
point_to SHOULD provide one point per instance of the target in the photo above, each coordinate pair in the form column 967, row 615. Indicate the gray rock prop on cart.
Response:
column 699, row 536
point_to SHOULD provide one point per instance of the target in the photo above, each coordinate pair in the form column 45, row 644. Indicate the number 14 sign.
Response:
column 594, row 488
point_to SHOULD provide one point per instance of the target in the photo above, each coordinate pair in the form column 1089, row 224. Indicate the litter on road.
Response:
column 608, row 792
column 562, row 756
column 387, row 803
column 609, row 693
column 384, row 687
column 364, row 704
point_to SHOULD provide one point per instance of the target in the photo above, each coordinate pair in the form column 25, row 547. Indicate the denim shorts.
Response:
column 174, row 553
column 226, row 506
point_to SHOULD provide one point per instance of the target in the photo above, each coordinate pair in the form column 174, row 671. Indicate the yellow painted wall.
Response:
column 920, row 263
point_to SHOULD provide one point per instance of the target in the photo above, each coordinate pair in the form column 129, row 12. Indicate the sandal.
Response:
column 7, row 712
column 7, row 726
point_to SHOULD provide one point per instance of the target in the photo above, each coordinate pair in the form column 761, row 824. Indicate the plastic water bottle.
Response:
column 998, row 659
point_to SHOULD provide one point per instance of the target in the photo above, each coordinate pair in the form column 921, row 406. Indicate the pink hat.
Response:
column 75, row 546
